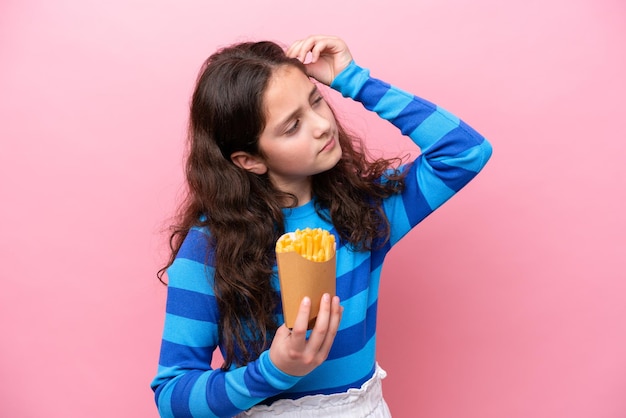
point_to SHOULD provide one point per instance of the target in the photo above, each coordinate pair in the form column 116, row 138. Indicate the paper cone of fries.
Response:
column 306, row 267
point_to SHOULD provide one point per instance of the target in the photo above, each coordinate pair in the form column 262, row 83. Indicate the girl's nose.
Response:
column 321, row 125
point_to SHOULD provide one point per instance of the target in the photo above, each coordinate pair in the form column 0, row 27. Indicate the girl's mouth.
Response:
column 329, row 145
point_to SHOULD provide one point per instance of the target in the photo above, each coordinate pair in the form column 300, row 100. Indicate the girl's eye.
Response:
column 296, row 124
column 294, row 127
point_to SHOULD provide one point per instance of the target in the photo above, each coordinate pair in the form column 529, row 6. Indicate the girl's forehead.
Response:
column 287, row 76
column 288, row 89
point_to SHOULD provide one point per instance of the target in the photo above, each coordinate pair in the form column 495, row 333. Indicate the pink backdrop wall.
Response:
column 507, row 302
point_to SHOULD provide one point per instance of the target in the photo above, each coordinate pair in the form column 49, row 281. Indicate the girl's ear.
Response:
column 248, row 162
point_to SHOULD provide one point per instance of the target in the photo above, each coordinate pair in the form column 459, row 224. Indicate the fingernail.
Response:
column 306, row 301
column 326, row 297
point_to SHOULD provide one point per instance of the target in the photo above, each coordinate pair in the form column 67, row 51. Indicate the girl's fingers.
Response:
column 298, row 332
column 316, row 339
column 282, row 332
column 336, row 312
column 292, row 352
column 296, row 50
column 329, row 55
column 313, row 44
column 317, row 49
column 326, row 326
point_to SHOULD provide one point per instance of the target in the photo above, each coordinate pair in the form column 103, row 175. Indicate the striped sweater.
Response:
column 452, row 153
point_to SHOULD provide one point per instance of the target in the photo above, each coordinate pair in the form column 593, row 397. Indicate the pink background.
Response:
column 510, row 301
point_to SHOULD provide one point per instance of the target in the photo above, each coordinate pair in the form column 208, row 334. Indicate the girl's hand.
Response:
column 296, row 355
column 329, row 56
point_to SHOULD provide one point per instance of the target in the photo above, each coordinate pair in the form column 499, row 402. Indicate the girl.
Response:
column 267, row 156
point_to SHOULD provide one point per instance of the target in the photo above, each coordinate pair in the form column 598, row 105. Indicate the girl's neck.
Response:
column 302, row 199
column 301, row 190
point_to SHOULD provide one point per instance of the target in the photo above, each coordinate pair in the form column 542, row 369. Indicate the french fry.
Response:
column 313, row 244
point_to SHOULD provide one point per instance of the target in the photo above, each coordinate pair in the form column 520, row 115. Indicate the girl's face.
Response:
column 300, row 138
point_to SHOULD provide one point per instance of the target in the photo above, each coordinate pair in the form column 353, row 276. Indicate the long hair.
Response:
column 243, row 210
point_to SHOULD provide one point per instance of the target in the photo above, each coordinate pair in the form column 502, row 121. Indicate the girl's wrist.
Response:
column 273, row 375
column 350, row 80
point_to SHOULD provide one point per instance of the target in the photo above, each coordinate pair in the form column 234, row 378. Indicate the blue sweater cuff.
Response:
column 350, row 80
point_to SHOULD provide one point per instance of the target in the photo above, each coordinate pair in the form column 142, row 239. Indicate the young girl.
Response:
column 267, row 156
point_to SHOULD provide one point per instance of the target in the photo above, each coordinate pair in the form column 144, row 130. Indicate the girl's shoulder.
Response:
column 193, row 266
column 196, row 244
